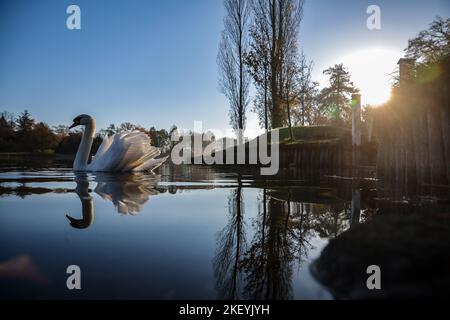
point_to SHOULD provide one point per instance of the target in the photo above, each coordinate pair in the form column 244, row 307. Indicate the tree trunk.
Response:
column 291, row 133
column 266, row 105
column 241, row 86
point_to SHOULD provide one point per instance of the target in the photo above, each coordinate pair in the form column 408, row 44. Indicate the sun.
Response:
column 370, row 71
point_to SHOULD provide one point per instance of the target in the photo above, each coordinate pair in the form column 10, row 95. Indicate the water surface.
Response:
column 188, row 232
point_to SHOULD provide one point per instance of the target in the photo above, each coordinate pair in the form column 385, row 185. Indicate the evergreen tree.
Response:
column 25, row 124
column 335, row 100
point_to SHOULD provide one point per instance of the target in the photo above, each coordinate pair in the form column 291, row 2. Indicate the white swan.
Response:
column 122, row 152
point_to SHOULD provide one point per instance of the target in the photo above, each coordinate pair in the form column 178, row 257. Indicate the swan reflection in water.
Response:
column 128, row 193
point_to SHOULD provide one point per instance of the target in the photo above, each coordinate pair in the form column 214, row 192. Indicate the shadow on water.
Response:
column 410, row 243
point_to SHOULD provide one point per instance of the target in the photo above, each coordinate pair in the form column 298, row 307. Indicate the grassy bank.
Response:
column 314, row 135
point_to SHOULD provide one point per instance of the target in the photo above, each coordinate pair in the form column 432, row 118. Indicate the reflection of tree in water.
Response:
column 280, row 238
column 231, row 246
column 267, row 263
column 283, row 229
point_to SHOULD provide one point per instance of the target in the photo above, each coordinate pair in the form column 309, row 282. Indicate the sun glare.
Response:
column 370, row 71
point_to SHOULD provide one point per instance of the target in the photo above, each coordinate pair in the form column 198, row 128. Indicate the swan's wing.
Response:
column 106, row 143
column 110, row 156
column 151, row 164
column 139, row 151
column 126, row 152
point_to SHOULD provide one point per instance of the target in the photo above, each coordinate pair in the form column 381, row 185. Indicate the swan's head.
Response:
column 81, row 120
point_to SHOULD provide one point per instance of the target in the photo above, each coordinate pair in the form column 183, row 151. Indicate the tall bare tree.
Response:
column 276, row 23
column 290, row 88
column 258, row 60
column 306, row 94
column 234, row 78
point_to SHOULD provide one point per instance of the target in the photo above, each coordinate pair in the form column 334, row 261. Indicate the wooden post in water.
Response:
column 356, row 206
column 356, row 132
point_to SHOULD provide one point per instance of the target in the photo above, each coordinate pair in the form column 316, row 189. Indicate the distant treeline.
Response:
column 22, row 133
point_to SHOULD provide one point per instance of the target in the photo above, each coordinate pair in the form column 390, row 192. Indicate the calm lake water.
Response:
column 193, row 232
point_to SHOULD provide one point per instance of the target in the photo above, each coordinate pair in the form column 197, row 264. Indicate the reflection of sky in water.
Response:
column 166, row 250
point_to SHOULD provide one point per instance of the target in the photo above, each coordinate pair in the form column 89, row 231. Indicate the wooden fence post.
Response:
column 356, row 131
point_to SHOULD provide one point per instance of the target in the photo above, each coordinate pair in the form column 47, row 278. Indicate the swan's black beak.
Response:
column 76, row 122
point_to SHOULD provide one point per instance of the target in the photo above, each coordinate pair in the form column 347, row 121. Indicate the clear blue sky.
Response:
column 154, row 62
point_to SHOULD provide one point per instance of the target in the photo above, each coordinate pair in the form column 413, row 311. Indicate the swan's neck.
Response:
column 84, row 150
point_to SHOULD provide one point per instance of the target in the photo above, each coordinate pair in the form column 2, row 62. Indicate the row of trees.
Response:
column 24, row 134
column 260, row 43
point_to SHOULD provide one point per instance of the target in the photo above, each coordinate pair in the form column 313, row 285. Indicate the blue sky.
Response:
column 154, row 62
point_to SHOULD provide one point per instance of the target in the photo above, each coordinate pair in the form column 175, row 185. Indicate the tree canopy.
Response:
column 431, row 45
column 335, row 99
